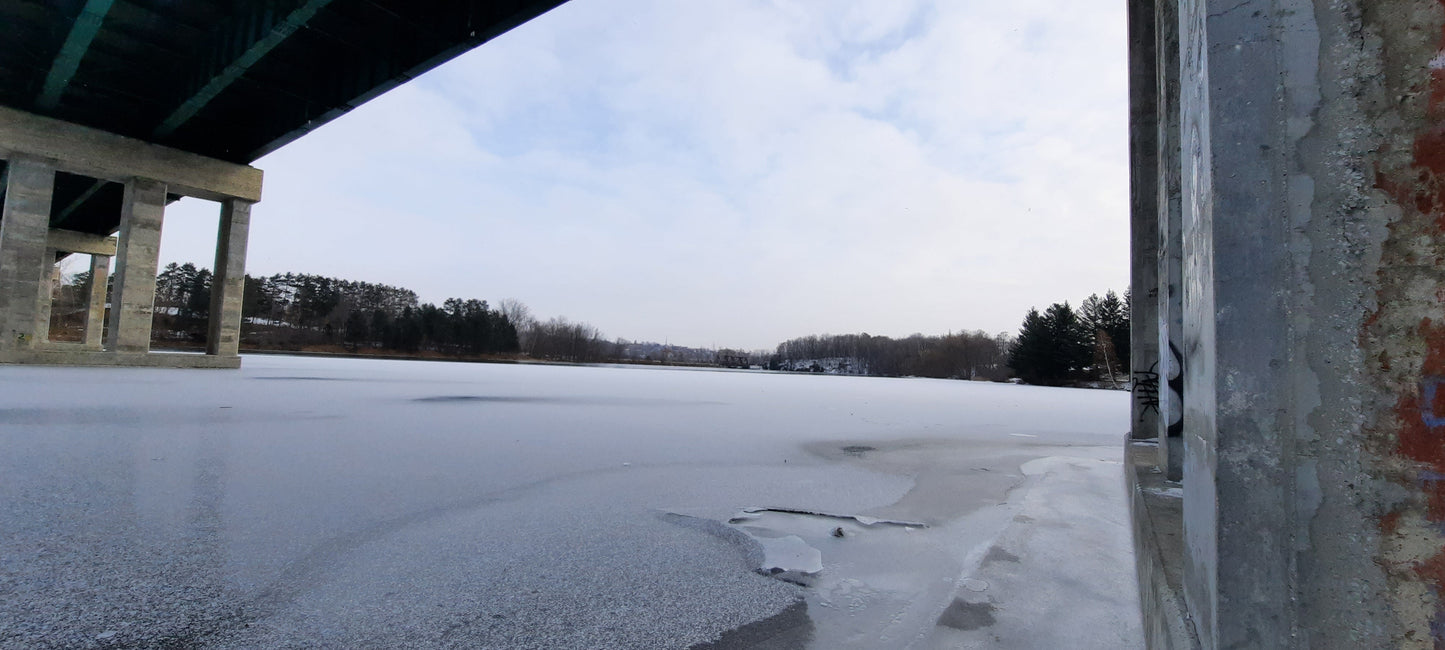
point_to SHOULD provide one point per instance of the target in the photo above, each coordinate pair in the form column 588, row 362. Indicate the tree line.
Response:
column 963, row 355
column 1062, row 345
column 1058, row 346
column 295, row 311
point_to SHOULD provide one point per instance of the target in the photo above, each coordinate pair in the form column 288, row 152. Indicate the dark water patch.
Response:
column 858, row 450
column 304, row 378
column 559, row 401
column 443, row 399
column 996, row 554
column 790, row 629
column 963, row 615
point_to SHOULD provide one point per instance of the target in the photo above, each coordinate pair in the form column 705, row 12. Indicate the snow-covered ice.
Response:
column 359, row 503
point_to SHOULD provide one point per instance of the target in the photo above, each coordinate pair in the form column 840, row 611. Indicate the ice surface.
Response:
column 788, row 553
column 357, row 503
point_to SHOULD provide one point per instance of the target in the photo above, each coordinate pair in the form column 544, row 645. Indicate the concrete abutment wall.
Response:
column 1309, row 261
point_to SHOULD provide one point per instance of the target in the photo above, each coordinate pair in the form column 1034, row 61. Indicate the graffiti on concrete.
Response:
column 1176, row 390
column 1146, row 389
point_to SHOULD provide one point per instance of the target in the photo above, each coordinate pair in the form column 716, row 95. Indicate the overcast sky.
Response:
column 729, row 172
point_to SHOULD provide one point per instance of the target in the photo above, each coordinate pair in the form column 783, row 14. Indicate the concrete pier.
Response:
column 228, row 281
column 1305, row 244
column 1170, row 251
column 1143, row 221
column 136, row 263
column 24, row 270
column 34, row 149
column 95, row 310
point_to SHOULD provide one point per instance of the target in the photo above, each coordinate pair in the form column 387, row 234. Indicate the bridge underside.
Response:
column 111, row 109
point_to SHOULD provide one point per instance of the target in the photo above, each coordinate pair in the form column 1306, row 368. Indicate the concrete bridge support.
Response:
column 228, row 281
column 133, row 307
column 1309, row 253
column 95, row 308
column 1169, row 259
column 101, row 250
column 1143, row 222
column 34, row 149
column 24, row 269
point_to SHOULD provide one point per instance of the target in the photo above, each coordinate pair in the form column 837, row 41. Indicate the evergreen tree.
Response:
column 1029, row 354
column 506, row 335
column 357, row 331
column 381, row 328
column 1109, row 317
column 1073, row 343
column 1052, row 348
column 196, row 310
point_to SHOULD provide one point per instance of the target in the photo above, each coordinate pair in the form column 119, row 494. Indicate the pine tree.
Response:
column 1052, row 348
column 1073, row 348
column 1109, row 317
column 1118, row 327
column 1029, row 354
column 357, row 331
column 197, row 308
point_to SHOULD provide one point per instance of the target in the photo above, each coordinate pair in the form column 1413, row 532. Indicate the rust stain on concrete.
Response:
column 1404, row 337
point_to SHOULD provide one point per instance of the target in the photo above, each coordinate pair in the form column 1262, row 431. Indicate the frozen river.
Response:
column 384, row 504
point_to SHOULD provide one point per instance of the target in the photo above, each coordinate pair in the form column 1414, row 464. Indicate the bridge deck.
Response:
column 230, row 80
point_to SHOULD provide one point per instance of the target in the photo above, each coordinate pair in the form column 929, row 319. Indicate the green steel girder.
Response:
column 241, row 43
column 77, row 43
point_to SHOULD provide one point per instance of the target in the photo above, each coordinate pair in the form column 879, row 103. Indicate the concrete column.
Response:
column 25, row 224
column 95, row 315
column 1171, row 248
column 1247, row 67
column 1143, row 219
column 228, row 283
column 1313, row 221
column 45, row 299
column 134, row 293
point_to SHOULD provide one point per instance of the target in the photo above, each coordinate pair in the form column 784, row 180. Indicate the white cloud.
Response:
column 736, row 172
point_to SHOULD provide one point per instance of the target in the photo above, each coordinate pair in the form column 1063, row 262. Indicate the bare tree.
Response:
column 520, row 315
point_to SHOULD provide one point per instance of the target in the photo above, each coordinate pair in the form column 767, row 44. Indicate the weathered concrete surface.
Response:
column 70, row 241
column 1400, row 190
column 44, row 297
column 95, row 308
column 92, row 152
column 1312, row 163
column 1238, row 505
column 62, row 354
column 150, row 173
column 1170, row 263
column 24, row 270
column 1157, row 505
column 1143, row 218
column 1200, row 586
column 1247, row 80
column 133, row 302
column 228, row 282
